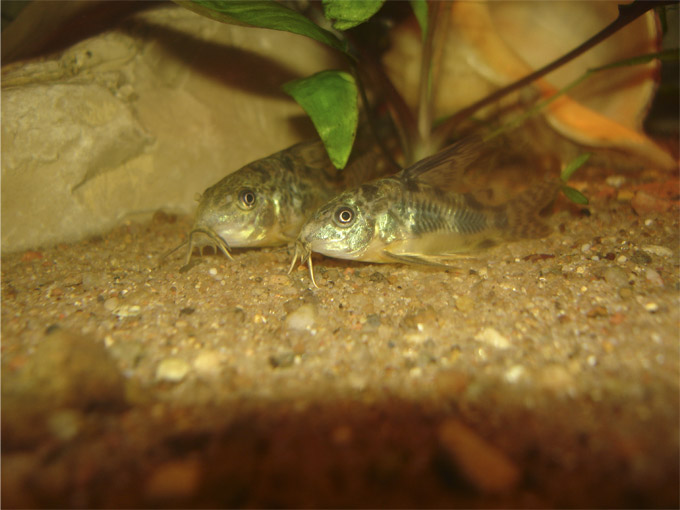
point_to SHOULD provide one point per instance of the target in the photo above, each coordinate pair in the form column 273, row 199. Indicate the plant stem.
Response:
column 371, row 119
column 627, row 14
column 371, row 67
column 429, row 69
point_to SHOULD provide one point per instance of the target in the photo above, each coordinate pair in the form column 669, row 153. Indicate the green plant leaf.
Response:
column 420, row 10
column 331, row 99
column 263, row 14
column 349, row 13
column 574, row 195
column 574, row 165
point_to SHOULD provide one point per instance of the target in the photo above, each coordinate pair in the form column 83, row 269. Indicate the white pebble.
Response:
column 615, row 181
column 661, row 251
column 492, row 337
column 172, row 370
column 585, row 248
column 127, row 311
column 514, row 373
column 207, row 363
column 653, row 277
column 212, row 271
column 651, row 307
column 302, row 319
column 621, row 259
column 111, row 304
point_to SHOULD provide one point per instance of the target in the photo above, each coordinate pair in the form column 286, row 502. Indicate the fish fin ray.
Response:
column 445, row 169
column 522, row 212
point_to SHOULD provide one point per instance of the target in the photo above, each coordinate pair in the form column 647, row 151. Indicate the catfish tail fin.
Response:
column 522, row 212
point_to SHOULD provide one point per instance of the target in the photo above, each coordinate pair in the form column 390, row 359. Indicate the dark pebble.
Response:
column 640, row 257
column 282, row 360
column 377, row 277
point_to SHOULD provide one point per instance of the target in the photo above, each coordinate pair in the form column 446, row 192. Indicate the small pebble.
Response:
column 465, row 304
column 280, row 279
column 111, row 304
column 123, row 311
column 372, row 321
column 615, row 276
column 174, row 480
column 624, row 195
column 644, row 203
column 172, row 370
column 616, row 181
column 585, row 248
column 91, row 280
column 597, row 311
column 377, row 277
column 483, row 465
column 207, row 363
column 514, row 373
column 625, row 292
column 282, row 360
column 212, row 271
column 640, row 257
column 302, row 319
column 651, row 307
column 72, row 280
column 64, row 424
column 556, row 378
column 621, row 259
column 653, row 277
column 661, row 251
column 492, row 337
column 31, row 255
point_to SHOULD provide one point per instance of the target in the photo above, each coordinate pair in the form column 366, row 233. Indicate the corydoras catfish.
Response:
column 416, row 217
column 266, row 202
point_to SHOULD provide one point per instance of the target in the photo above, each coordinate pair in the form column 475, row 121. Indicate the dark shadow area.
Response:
column 354, row 454
column 69, row 23
column 242, row 69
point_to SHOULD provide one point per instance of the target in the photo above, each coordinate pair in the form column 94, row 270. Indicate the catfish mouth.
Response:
column 214, row 237
column 303, row 252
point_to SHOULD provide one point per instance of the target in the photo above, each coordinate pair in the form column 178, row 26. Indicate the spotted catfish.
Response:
column 266, row 202
column 416, row 217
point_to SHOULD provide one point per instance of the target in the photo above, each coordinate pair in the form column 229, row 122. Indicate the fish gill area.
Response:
column 542, row 373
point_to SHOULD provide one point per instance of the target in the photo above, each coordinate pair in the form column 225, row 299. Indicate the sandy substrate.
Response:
column 542, row 373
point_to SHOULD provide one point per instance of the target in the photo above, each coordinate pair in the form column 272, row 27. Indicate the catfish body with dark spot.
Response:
column 414, row 217
column 266, row 202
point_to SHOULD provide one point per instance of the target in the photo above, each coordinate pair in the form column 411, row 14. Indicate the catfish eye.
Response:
column 247, row 198
column 344, row 216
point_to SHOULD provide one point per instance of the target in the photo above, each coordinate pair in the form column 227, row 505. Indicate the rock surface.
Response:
column 142, row 117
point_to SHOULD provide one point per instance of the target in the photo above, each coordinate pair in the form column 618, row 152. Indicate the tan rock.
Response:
column 142, row 118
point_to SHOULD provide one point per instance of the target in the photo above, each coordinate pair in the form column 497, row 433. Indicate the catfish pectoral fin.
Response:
column 421, row 259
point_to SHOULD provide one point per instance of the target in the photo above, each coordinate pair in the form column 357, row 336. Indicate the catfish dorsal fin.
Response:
column 445, row 169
